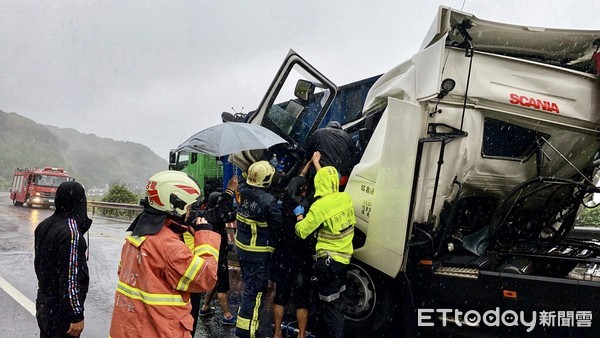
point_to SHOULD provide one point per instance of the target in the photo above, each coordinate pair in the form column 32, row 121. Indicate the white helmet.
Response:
column 172, row 192
column 260, row 174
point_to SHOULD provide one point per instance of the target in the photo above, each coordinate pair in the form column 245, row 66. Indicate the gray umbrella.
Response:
column 230, row 137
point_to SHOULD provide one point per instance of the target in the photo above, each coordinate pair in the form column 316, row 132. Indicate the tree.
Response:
column 118, row 193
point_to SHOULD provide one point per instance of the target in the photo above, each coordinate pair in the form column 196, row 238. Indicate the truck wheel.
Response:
column 18, row 204
column 370, row 303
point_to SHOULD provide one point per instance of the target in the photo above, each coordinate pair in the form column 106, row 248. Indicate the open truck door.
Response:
column 293, row 107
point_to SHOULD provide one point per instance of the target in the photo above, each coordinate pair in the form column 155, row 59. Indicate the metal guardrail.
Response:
column 129, row 208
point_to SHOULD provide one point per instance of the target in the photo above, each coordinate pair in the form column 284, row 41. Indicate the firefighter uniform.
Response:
column 257, row 212
column 331, row 219
column 156, row 275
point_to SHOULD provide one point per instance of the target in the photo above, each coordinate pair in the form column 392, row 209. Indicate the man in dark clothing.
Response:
column 292, row 262
column 257, row 214
column 61, row 265
column 219, row 212
column 336, row 147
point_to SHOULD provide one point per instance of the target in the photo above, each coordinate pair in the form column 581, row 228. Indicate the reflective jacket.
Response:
column 156, row 275
column 331, row 216
column 257, row 211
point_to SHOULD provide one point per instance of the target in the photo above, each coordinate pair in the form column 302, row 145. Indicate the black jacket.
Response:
column 337, row 149
column 60, row 261
column 292, row 253
column 219, row 212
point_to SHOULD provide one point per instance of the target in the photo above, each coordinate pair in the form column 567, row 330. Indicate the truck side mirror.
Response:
column 172, row 158
column 227, row 117
column 304, row 89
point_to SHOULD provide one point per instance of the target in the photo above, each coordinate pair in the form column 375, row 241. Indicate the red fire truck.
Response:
column 37, row 186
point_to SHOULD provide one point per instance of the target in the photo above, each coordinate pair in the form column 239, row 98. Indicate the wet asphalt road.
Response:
column 17, row 225
column 18, row 283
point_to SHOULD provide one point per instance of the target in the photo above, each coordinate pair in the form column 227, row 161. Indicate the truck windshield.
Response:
column 295, row 117
column 182, row 161
column 50, row 181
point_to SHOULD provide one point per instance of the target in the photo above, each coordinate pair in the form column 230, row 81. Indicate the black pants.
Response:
column 331, row 282
column 53, row 317
column 195, row 299
column 51, row 335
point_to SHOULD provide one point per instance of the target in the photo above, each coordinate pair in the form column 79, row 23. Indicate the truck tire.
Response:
column 371, row 303
column 18, row 204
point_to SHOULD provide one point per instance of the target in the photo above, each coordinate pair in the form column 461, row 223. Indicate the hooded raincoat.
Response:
column 60, row 262
column 331, row 216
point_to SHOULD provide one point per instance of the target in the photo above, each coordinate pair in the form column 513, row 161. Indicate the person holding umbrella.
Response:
column 219, row 211
column 257, row 213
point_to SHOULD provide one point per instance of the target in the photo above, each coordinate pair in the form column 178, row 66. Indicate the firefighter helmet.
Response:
column 260, row 174
column 172, row 192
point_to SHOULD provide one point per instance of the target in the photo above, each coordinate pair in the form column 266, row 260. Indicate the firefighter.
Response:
column 158, row 270
column 257, row 212
column 331, row 220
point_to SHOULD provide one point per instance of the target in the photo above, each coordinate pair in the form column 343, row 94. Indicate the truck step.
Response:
column 457, row 272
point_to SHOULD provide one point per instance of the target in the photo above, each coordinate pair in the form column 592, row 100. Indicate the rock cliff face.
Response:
column 94, row 161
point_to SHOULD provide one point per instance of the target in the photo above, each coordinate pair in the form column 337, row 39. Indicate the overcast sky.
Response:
column 156, row 72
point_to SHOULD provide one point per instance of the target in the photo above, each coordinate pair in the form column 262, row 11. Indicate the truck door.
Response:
column 293, row 107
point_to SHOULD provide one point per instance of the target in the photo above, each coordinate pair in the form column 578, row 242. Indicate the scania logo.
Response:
column 532, row 102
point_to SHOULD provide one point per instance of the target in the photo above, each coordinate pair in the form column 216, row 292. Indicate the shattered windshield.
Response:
column 300, row 102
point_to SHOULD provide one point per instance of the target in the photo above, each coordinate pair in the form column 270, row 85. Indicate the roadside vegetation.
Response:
column 119, row 192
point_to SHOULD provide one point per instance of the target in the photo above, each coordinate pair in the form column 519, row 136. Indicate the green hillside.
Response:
column 92, row 160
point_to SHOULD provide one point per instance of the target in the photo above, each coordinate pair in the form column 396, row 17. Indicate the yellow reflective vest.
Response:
column 333, row 215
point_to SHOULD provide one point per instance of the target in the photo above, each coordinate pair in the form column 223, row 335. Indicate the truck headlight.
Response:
column 38, row 194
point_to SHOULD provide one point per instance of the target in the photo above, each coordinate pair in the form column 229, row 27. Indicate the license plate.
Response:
column 51, row 200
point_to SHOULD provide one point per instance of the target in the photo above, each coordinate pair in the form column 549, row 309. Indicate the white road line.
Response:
column 18, row 296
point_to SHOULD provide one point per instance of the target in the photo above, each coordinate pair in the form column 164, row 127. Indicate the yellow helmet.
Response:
column 260, row 174
column 172, row 192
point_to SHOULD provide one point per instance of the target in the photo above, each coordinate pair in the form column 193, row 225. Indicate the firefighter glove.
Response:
column 202, row 226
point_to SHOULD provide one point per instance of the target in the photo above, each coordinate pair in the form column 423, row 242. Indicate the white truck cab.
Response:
column 476, row 156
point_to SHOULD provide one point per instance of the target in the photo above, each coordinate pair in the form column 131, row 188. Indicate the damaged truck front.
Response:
column 476, row 156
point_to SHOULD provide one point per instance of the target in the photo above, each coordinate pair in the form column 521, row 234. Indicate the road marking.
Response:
column 18, row 296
